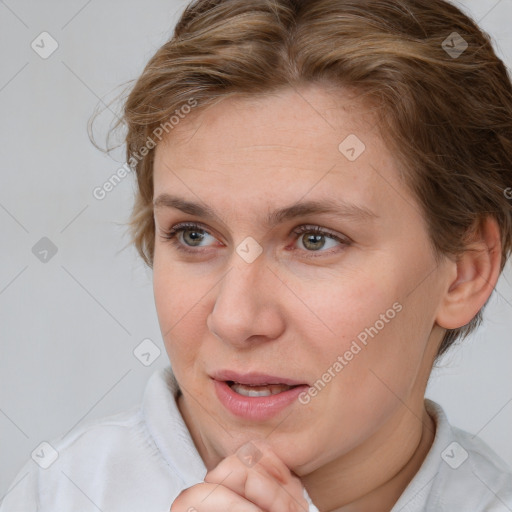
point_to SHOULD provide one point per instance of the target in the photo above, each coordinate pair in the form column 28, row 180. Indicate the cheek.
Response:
column 376, row 361
column 375, row 331
column 178, row 308
column 354, row 309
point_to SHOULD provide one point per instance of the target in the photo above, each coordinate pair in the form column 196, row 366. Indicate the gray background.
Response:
column 68, row 327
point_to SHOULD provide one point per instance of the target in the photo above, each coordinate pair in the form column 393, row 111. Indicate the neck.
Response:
column 372, row 477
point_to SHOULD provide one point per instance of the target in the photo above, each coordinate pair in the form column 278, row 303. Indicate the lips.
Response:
column 254, row 378
column 255, row 396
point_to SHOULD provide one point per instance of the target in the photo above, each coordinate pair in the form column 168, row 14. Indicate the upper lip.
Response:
column 253, row 378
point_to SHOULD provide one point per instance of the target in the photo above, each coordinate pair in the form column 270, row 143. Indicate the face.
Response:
column 342, row 304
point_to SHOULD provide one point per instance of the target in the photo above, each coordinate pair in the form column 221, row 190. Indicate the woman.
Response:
column 323, row 202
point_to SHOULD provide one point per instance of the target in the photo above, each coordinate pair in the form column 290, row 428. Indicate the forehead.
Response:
column 300, row 114
column 282, row 146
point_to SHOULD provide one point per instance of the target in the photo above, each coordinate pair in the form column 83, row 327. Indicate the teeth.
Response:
column 268, row 390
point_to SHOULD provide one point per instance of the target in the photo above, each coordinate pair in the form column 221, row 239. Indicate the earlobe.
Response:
column 477, row 272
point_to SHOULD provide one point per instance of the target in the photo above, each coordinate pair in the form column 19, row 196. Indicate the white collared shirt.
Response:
column 141, row 459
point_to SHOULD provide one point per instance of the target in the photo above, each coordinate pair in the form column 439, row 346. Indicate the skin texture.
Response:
column 360, row 440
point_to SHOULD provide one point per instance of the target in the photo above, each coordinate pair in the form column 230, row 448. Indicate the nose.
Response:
column 247, row 309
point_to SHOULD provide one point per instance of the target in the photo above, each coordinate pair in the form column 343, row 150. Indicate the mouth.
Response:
column 259, row 390
column 256, row 396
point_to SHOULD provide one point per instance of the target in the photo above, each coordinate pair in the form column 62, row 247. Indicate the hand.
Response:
column 253, row 479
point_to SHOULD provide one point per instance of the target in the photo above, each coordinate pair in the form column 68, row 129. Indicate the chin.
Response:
column 301, row 461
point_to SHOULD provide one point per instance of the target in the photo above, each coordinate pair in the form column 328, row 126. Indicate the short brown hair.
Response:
column 446, row 109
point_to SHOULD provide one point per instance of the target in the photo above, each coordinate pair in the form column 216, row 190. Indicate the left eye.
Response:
column 314, row 240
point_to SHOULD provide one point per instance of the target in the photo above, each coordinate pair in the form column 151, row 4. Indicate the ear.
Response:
column 477, row 272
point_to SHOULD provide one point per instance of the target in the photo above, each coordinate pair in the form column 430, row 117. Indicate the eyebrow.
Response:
column 326, row 206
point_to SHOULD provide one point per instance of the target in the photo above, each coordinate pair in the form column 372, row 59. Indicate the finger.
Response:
column 250, row 455
column 269, row 494
column 230, row 473
column 258, row 486
column 268, row 459
column 211, row 498
column 261, row 477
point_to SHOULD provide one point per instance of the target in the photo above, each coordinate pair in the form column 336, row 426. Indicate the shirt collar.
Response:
column 168, row 429
column 417, row 492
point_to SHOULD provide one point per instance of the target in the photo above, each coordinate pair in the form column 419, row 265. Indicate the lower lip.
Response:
column 256, row 408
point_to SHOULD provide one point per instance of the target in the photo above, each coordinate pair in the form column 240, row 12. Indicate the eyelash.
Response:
column 170, row 236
